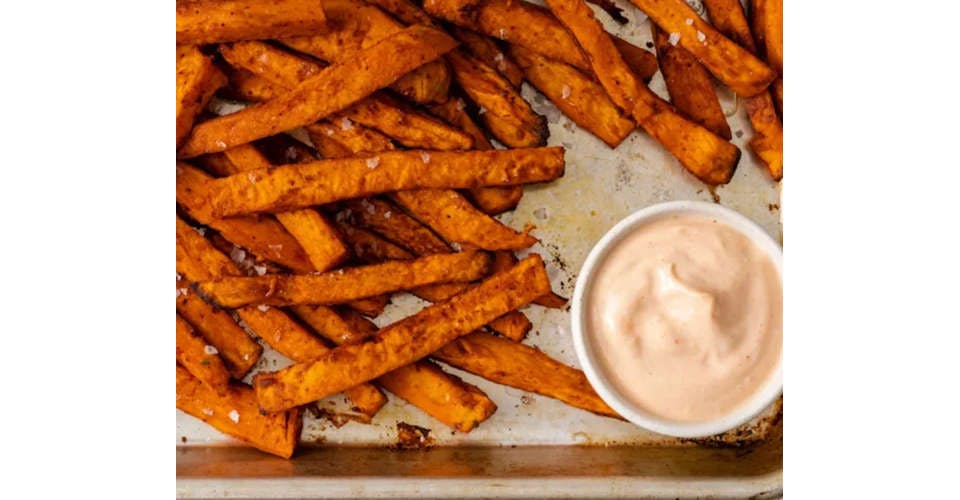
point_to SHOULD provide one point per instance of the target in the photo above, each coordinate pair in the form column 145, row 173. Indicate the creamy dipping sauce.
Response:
column 685, row 316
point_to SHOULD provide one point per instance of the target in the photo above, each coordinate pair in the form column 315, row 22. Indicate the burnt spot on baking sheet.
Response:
column 624, row 176
column 773, row 207
column 411, row 436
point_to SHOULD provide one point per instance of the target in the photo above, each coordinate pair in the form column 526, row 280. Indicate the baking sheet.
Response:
column 600, row 187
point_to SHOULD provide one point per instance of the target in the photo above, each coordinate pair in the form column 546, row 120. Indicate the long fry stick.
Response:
column 200, row 358
column 197, row 80
column 212, row 21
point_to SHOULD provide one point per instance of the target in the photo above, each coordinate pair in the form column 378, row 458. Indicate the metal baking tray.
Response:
column 532, row 446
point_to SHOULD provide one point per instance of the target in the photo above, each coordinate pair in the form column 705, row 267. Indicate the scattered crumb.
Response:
column 738, row 133
column 183, row 439
column 412, row 436
column 773, row 206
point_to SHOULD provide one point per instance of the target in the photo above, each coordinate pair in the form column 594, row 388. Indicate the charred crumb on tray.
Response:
column 411, row 436
column 773, row 207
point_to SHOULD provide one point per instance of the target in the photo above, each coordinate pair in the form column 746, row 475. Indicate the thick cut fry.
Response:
column 690, row 85
column 236, row 413
column 576, row 95
column 238, row 351
column 423, row 384
column 522, row 367
column 212, row 21
column 492, row 200
column 503, row 261
column 705, row 155
column 508, row 117
column 453, row 218
column 200, row 358
column 356, row 25
column 335, row 141
column 348, row 284
column 729, row 19
column 643, row 63
column 393, row 224
column 767, row 20
column 334, row 89
column 199, row 260
column 298, row 186
column 486, row 50
column 403, row 342
column 264, row 236
column 197, row 80
column 731, row 64
column 246, row 86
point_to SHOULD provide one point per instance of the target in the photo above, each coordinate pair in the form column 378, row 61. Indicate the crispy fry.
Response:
column 197, row 80
column 238, row 351
column 690, row 85
column 264, row 236
column 198, row 260
column 356, row 25
column 212, row 21
column 508, row 117
column 246, row 86
column 576, row 95
column 642, row 62
column 728, row 17
column 707, row 156
column 347, row 284
column 393, row 224
column 452, row 216
column 297, row 186
column 486, row 50
column 334, row 141
column 202, row 362
column 503, row 261
column 731, row 64
column 492, row 200
column 520, row 366
column 423, row 384
column 237, row 414
column 336, row 88
column 767, row 21
column 403, row 342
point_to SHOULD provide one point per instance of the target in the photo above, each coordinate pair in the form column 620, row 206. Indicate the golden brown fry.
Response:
column 503, row 261
column 403, row 342
column 336, row 88
column 729, row 19
column 642, row 62
column 236, row 413
column 767, row 21
column 731, row 64
column 707, row 156
column 199, row 260
column 492, row 200
column 347, row 284
column 513, row 326
column 453, row 218
column 690, row 85
column 393, row 224
column 200, row 359
column 486, row 50
column 576, row 95
column 519, row 366
column 264, row 236
column 422, row 384
column 335, row 141
column 246, row 86
column 212, row 21
column 356, row 25
column 238, row 350
column 298, row 186
column 197, row 80
column 508, row 117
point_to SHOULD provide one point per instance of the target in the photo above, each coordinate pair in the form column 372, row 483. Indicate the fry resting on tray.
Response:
column 200, row 358
column 197, row 80
column 211, row 21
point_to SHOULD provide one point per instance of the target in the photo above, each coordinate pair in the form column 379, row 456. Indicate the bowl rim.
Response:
column 761, row 399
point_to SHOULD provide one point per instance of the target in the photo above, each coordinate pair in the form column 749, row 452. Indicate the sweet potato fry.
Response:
column 643, row 63
column 198, row 260
column 486, row 50
column 200, row 358
column 503, row 261
column 423, row 384
column 403, row 342
column 246, row 86
column 393, row 224
column 371, row 248
column 298, row 186
column 767, row 21
column 492, row 200
column 406, row 11
column 347, row 284
column 508, row 117
column 453, row 218
column 238, row 351
column 236, row 413
column 212, row 21
column 519, row 366
column 729, row 18
column 705, row 155
column 576, row 95
column 731, row 64
column 690, row 85
column 264, row 236
column 355, row 25
column 197, row 80
column 334, row 141
column 334, row 89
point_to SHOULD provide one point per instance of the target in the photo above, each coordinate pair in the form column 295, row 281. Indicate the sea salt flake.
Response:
column 234, row 415
column 260, row 269
column 207, row 411
column 210, row 350
column 329, row 131
column 263, row 308
column 425, row 156
column 237, row 255
column 386, row 215
column 502, row 33
column 276, row 247
column 456, row 246
column 262, row 57
column 482, row 110
column 501, row 62
column 200, row 230
column 246, row 357
column 179, row 277
column 291, row 154
column 460, row 105
column 373, row 162
column 346, row 124
column 700, row 36
column 252, row 178
column 689, row 22
column 674, row 39
column 565, row 91
column 221, row 144
column 183, row 291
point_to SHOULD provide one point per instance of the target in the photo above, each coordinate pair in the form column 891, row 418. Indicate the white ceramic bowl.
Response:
column 586, row 351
